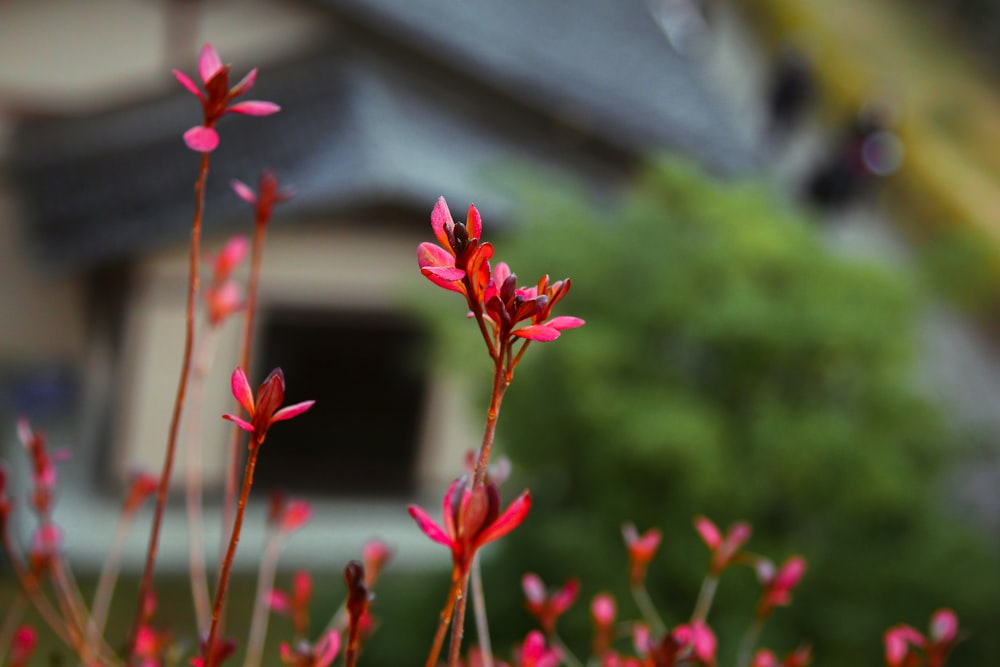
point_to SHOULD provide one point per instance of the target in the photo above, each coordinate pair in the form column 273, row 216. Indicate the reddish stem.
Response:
column 168, row 462
column 444, row 620
column 458, row 627
column 253, row 282
column 500, row 383
column 227, row 564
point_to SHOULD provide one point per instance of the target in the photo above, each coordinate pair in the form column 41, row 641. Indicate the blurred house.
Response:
column 386, row 105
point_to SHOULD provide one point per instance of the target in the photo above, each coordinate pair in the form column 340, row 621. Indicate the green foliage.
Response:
column 732, row 366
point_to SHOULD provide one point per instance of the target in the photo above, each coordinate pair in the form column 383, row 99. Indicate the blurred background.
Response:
column 780, row 218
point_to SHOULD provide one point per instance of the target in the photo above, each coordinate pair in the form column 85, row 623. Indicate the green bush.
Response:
column 731, row 366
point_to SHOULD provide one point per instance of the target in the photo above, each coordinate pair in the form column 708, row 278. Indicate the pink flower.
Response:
column 375, row 554
column 778, row 585
column 263, row 411
column 305, row 654
column 43, row 469
column 217, row 99
column 506, row 306
column 460, row 263
column 230, row 257
column 5, row 504
column 265, row 198
column 295, row 514
column 692, row 643
column 800, row 657
column 602, row 614
column 472, row 519
column 296, row 603
column 904, row 644
column 725, row 550
column 22, row 645
column 222, row 301
column 641, row 549
column 534, row 653
column 546, row 607
column 142, row 487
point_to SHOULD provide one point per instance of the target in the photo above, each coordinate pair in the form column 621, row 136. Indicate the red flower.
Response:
column 904, row 644
column 507, row 305
column 534, row 653
column 472, row 519
column 641, row 549
column 800, row 657
column 22, row 646
column 778, row 584
column 264, row 411
column 305, row 654
column 724, row 549
column 217, row 99
column 296, row 603
column 266, row 197
column 375, row 554
column 690, row 643
column 602, row 613
column 547, row 608
column 460, row 263
column 143, row 486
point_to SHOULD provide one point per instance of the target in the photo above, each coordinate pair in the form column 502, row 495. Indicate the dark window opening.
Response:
column 367, row 373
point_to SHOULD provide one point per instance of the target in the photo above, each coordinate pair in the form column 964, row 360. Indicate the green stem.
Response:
column 479, row 609
column 705, row 597
column 749, row 642
column 648, row 610
column 265, row 582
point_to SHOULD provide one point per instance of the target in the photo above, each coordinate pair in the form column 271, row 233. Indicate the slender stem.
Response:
column 10, row 623
column 458, row 625
column 69, row 598
column 444, row 620
column 106, row 583
column 567, row 655
column 749, row 642
column 351, row 655
column 648, row 610
column 500, row 384
column 29, row 586
column 192, row 428
column 479, row 608
column 146, row 584
column 265, row 582
column 253, row 286
column 227, row 564
column 705, row 597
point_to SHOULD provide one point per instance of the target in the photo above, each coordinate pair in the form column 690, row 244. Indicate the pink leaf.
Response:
column 441, row 220
column 201, row 139
column 186, row 81
column 428, row 525
column 565, row 322
column 474, row 223
column 278, row 601
column 244, row 191
column 508, row 521
column 241, row 390
column 290, row 411
column 254, row 108
column 245, row 84
column 209, row 63
column 944, row 625
column 245, row 425
column 539, row 332
column 327, row 649
column 708, row 532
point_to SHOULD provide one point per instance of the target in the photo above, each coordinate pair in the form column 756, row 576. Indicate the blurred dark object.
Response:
column 791, row 92
column 865, row 152
column 44, row 391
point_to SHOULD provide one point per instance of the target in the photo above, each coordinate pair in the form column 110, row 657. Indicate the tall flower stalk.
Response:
column 509, row 318
column 216, row 101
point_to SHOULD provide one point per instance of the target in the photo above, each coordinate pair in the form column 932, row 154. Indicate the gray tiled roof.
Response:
column 419, row 98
